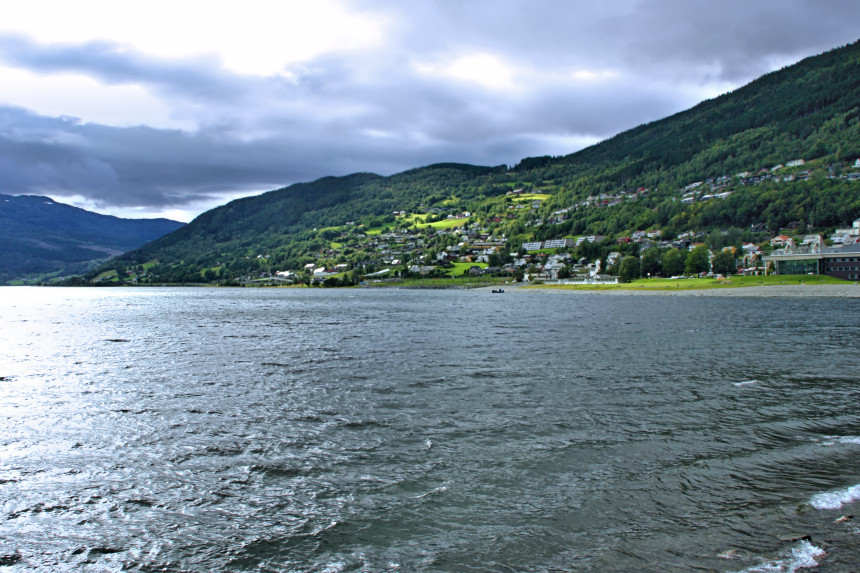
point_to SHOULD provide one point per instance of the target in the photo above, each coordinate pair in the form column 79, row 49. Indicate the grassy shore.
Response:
column 677, row 285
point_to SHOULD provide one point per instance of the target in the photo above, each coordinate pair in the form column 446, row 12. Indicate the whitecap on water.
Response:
column 832, row 441
column 804, row 555
column 745, row 382
column 441, row 489
column 835, row 499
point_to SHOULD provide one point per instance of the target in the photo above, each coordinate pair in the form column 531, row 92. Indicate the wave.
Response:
column 441, row 489
column 835, row 499
column 842, row 440
column 804, row 555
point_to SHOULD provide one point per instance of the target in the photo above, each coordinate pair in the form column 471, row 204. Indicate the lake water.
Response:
column 404, row 430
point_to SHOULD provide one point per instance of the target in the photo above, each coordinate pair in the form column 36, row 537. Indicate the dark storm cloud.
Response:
column 739, row 39
column 580, row 73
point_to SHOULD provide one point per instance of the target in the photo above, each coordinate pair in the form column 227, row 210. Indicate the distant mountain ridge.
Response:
column 808, row 111
column 41, row 236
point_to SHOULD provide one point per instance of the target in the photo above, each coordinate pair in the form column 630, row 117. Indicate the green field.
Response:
column 448, row 223
column 460, row 281
column 460, row 268
column 707, row 283
column 531, row 197
column 418, row 221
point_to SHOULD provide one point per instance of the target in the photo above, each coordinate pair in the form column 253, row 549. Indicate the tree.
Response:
column 628, row 270
column 673, row 264
column 650, row 263
column 725, row 263
column 698, row 261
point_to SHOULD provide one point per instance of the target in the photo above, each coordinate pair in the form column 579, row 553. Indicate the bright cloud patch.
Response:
column 253, row 37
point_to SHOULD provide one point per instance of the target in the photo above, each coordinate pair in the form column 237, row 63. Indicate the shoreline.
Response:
column 848, row 290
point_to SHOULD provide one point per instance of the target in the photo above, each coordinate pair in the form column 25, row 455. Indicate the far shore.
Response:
column 847, row 290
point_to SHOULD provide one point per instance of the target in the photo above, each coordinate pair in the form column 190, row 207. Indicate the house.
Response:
column 779, row 241
column 558, row 243
column 590, row 239
column 840, row 237
column 795, row 163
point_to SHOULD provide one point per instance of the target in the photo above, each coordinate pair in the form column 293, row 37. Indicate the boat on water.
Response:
column 498, row 290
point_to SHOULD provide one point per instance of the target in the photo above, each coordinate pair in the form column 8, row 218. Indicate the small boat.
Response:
column 498, row 290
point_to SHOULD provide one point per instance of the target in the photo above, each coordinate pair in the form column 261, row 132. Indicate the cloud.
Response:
column 421, row 82
column 113, row 63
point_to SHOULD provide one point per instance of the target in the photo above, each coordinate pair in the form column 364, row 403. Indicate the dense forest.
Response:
column 779, row 152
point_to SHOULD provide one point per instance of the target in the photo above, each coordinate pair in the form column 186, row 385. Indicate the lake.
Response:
column 195, row 429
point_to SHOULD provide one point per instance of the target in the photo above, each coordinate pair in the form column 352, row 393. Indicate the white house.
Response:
column 839, row 237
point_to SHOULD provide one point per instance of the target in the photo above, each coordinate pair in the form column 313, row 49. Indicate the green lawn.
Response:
column 707, row 283
column 460, row 281
column 460, row 268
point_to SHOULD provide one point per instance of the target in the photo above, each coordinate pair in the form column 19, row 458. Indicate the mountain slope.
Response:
column 41, row 236
column 799, row 111
column 808, row 111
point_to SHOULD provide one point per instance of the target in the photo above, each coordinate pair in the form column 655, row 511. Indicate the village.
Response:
column 440, row 243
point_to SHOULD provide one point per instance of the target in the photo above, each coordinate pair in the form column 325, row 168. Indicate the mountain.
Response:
column 779, row 151
column 43, row 237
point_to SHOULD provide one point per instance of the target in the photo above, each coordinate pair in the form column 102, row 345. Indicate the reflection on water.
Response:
column 367, row 430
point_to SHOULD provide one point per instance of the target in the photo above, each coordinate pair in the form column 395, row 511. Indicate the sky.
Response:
column 168, row 109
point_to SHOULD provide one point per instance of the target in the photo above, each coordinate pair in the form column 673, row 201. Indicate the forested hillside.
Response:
column 778, row 153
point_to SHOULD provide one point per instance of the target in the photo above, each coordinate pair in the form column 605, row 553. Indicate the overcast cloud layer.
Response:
column 157, row 108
